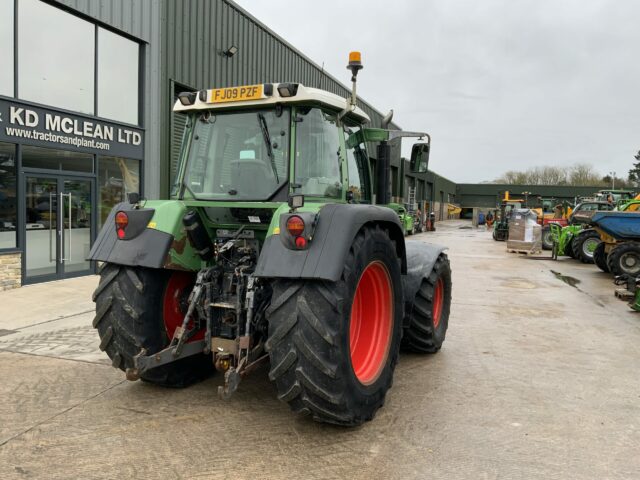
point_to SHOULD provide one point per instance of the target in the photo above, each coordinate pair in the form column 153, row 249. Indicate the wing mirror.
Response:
column 419, row 157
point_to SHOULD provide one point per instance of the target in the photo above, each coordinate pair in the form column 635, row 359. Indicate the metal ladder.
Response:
column 412, row 199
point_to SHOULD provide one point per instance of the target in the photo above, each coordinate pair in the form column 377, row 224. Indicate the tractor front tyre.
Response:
column 138, row 308
column 429, row 316
column 624, row 259
column 334, row 346
column 600, row 257
column 547, row 238
column 584, row 244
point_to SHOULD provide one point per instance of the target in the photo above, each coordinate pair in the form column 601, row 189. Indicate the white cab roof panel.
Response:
column 304, row 95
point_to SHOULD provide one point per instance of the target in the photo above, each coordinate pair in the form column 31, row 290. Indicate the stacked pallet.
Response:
column 525, row 235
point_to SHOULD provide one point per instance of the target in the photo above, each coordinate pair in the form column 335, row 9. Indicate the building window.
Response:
column 56, row 52
column 8, row 203
column 50, row 159
column 116, row 178
column 118, row 60
column 6, row 48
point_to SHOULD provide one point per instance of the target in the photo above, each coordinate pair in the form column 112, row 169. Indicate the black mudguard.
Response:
column 144, row 247
column 338, row 224
column 421, row 257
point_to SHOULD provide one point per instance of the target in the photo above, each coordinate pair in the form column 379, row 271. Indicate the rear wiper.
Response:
column 267, row 140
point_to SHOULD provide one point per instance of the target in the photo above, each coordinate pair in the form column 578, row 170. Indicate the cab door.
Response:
column 359, row 185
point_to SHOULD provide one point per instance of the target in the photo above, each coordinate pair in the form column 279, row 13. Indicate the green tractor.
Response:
column 577, row 240
column 273, row 249
column 406, row 218
column 562, row 238
column 503, row 214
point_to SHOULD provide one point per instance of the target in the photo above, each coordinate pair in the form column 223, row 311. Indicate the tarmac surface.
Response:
column 538, row 378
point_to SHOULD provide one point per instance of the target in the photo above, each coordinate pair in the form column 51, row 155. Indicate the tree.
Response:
column 634, row 173
column 620, row 183
column 583, row 175
column 579, row 174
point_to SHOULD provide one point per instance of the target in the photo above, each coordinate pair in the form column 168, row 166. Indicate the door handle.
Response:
column 62, row 234
column 51, row 198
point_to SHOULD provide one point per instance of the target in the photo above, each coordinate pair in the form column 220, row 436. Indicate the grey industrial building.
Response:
column 86, row 95
column 86, row 92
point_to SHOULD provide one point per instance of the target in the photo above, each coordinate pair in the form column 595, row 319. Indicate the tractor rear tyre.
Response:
column 568, row 249
column 429, row 317
column 135, row 309
column 547, row 238
column 584, row 244
column 600, row 258
column 624, row 259
column 333, row 346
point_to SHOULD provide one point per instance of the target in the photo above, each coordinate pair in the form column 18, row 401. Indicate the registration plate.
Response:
column 236, row 94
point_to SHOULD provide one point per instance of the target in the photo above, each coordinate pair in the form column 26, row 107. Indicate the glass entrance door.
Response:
column 58, row 226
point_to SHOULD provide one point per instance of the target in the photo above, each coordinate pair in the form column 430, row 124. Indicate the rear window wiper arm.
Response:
column 267, row 140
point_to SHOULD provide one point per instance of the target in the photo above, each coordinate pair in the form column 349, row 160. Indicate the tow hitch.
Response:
column 232, row 305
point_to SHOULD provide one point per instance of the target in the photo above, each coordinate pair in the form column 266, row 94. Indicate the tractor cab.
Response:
column 614, row 196
column 265, row 142
column 262, row 143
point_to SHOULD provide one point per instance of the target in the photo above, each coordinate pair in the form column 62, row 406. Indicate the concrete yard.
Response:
column 537, row 379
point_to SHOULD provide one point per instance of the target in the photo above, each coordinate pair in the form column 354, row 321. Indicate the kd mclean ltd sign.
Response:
column 43, row 127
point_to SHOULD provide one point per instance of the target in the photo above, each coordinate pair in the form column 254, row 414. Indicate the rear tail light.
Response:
column 301, row 242
column 122, row 220
column 295, row 225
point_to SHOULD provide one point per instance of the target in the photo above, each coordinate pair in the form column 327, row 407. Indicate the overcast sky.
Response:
column 500, row 84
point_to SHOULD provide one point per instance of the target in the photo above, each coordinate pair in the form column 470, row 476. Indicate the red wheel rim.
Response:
column 174, row 303
column 371, row 322
column 438, row 301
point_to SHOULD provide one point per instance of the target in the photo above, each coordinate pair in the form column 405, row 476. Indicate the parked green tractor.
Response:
column 501, row 224
column 563, row 239
column 273, row 249
column 406, row 219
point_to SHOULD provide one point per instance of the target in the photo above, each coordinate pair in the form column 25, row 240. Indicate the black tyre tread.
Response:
column 546, row 231
column 577, row 243
column 420, row 336
column 613, row 259
column 305, row 345
column 129, row 318
column 569, row 248
column 600, row 258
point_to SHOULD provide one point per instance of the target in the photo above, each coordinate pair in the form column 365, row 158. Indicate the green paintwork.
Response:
column 168, row 218
column 562, row 237
column 591, row 245
column 635, row 304
column 406, row 219
column 375, row 135
column 630, row 205
column 169, row 213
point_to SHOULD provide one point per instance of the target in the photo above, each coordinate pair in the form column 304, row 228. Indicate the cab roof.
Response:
column 270, row 96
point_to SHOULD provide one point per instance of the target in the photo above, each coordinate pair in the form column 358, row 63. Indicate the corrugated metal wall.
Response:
column 197, row 31
column 183, row 40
